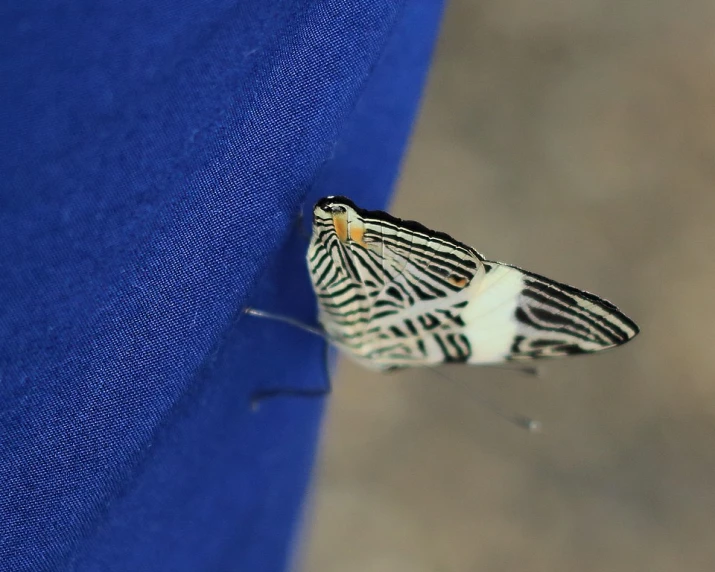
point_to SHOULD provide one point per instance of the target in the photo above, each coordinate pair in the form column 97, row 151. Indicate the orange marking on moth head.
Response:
column 340, row 222
column 356, row 234
column 458, row 281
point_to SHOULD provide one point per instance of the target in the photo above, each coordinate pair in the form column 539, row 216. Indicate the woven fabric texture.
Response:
column 155, row 158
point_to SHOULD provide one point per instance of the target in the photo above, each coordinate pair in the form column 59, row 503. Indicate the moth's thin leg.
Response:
column 258, row 396
column 285, row 320
column 521, row 421
column 261, row 395
column 530, row 370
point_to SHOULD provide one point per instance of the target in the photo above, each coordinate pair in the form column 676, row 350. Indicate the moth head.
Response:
column 327, row 207
column 342, row 214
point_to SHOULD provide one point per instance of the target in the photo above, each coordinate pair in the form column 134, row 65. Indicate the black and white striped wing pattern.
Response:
column 393, row 293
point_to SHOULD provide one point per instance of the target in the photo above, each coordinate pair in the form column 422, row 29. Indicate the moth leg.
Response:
column 286, row 320
column 261, row 395
column 529, row 370
column 258, row 396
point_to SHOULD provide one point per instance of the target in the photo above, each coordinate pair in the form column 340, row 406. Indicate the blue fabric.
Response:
column 154, row 159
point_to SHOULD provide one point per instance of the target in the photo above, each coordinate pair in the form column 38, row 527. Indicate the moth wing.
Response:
column 516, row 315
column 422, row 273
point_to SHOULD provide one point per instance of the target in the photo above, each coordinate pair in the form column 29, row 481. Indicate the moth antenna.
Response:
column 530, row 370
column 285, row 319
column 521, row 421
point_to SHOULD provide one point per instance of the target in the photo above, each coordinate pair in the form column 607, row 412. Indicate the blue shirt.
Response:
column 154, row 161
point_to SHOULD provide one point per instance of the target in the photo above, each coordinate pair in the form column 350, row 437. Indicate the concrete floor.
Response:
column 574, row 138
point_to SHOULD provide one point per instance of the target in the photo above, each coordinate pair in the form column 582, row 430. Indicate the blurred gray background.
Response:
column 575, row 138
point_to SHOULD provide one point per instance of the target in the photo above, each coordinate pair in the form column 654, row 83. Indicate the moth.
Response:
column 393, row 293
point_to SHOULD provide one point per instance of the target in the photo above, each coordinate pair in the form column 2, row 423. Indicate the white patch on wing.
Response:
column 489, row 319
